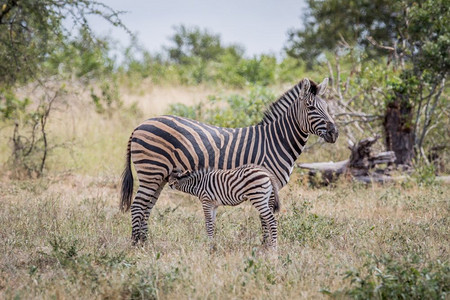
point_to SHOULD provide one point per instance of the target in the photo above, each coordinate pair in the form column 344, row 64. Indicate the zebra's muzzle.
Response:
column 332, row 133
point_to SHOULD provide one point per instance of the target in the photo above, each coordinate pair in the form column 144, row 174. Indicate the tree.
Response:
column 194, row 42
column 36, row 38
column 30, row 30
column 330, row 23
column 413, row 37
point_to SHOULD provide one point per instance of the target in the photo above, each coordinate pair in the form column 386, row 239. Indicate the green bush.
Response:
column 424, row 174
column 228, row 111
column 198, row 56
column 257, row 70
column 386, row 278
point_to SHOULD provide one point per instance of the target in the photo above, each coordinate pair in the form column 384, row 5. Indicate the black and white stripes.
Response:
column 163, row 144
column 231, row 187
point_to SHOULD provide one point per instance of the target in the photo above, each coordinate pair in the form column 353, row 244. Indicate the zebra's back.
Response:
column 169, row 142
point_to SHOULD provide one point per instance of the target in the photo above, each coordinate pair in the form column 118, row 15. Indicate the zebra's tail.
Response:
column 127, row 181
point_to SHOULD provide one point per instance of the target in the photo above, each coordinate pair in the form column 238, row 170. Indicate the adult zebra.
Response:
column 162, row 144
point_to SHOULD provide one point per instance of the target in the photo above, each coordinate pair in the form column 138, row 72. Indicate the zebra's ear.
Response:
column 305, row 86
column 321, row 88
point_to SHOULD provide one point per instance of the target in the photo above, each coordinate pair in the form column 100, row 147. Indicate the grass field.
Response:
column 66, row 238
column 63, row 237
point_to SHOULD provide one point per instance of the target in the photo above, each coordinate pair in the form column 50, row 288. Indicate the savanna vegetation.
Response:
column 67, row 107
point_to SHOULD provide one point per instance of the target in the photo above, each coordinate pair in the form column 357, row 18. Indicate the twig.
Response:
column 378, row 45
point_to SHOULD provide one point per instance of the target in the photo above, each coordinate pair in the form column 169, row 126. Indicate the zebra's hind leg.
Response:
column 148, row 209
column 265, row 231
column 141, row 207
column 267, row 217
column 210, row 209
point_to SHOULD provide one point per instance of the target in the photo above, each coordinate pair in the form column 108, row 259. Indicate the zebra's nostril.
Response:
column 331, row 127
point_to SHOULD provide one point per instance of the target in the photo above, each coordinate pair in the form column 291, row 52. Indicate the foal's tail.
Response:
column 127, row 181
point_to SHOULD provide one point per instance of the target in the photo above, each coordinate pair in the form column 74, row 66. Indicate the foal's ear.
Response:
column 183, row 174
column 305, row 86
column 321, row 88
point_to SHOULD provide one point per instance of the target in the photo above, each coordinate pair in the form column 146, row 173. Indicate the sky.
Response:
column 260, row 26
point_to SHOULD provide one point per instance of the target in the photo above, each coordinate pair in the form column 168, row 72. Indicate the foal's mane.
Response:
column 280, row 106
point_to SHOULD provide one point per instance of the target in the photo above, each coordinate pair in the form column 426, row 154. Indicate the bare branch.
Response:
column 359, row 115
column 378, row 45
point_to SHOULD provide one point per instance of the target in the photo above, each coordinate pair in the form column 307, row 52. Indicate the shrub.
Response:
column 228, row 111
column 386, row 278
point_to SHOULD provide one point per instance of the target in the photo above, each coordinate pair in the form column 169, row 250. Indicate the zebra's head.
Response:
column 177, row 178
column 314, row 116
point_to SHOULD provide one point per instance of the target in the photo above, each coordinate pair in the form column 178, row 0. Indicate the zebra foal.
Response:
column 232, row 187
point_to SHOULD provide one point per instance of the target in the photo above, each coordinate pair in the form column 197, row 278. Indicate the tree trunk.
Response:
column 398, row 129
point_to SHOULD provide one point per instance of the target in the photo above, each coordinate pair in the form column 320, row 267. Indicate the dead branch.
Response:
column 378, row 45
column 360, row 165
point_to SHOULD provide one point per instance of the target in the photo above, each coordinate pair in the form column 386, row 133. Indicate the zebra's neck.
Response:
column 284, row 143
column 192, row 184
column 282, row 105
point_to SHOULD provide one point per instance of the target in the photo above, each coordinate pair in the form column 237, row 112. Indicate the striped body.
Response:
column 163, row 144
column 232, row 187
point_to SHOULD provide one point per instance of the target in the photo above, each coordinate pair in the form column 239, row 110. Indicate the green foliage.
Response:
column 139, row 64
column 429, row 31
column 259, row 271
column 86, row 58
column 409, row 278
column 197, row 56
column 228, row 111
column 191, row 43
column 11, row 106
column 424, row 174
column 32, row 29
column 192, row 112
column 411, row 39
column 36, row 43
column 291, row 69
column 238, row 71
column 83, row 56
column 144, row 287
column 333, row 22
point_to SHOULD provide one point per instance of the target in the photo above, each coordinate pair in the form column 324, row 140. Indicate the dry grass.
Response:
column 65, row 238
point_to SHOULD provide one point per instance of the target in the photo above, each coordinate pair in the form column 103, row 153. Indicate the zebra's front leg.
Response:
column 210, row 209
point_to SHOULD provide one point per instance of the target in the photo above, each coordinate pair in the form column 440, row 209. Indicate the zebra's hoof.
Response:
column 212, row 248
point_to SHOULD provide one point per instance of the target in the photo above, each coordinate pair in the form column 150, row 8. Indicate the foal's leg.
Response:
column 265, row 228
column 209, row 209
column 261, row 203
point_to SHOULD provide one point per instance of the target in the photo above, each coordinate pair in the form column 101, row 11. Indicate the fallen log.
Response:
column 325, row 166
column 360, row 165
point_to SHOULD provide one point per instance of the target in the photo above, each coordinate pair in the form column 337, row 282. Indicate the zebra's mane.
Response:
column 279, row 107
